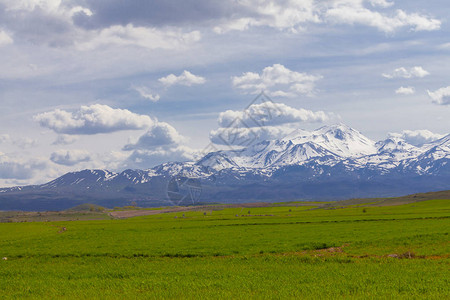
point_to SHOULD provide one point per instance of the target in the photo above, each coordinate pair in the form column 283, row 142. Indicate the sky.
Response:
column 117, row 84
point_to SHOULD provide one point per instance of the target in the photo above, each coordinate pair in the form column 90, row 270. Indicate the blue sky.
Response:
column 103, row 84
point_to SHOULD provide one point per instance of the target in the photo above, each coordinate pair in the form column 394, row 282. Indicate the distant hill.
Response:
column 87, row 208
column 442, row 195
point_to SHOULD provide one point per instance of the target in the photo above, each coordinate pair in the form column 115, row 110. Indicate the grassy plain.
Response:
column 358, row 250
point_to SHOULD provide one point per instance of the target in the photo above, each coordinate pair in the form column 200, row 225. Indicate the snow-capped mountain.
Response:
column 336, row 142
column 328, row 163
column 339, row 139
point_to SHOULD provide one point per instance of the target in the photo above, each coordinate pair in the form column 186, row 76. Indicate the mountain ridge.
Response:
column 332, row 162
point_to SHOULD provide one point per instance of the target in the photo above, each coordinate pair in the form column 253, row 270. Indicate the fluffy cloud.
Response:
column 5, row 39
column 244, row 136
column 270, row 114
column 186, row 78
column 147, row 94
column 404, row 73
column 161, row 143
column 417, row 137
column 93, row 119
column 144, row 159
column 441, row 96
column 276, row 80
column 263, row 121
column 405, row 90
column 161, row 134
column 70, row 157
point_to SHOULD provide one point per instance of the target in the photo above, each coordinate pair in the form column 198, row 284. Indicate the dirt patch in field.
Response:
column 123, row 214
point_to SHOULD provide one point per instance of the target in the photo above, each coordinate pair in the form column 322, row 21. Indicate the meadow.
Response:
column 284, row 250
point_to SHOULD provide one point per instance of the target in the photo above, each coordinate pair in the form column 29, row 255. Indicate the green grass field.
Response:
column 277, row 251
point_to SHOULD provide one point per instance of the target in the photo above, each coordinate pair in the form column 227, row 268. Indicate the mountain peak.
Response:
column 339, row 139
column 394, row 144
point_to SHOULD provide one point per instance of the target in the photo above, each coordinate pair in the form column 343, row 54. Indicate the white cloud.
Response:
column 269, row 114
column 70, row 157
column 381, row 3
column 145, row 37
column 186, row 78
column 407, row 73
column 263, row 121
column 147, row 94
column 29, row 5
column 93, row 119
column 65, row 139
column 144, row 159
column 276, row 80
column 287, row 15
column 284, row 15
column 80, row 9
column 161, row 143
column 353, row 12
column 240, row 24
column 405, row 90
column 244, row 136
column 441, row 96
column 417, row 137
column 161, row 134
column 5, row 39
column 50, row 7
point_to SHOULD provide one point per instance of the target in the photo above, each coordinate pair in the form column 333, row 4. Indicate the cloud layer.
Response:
column 129, row 35
column 294, row 15
column 18, row 168
column 70, row 157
